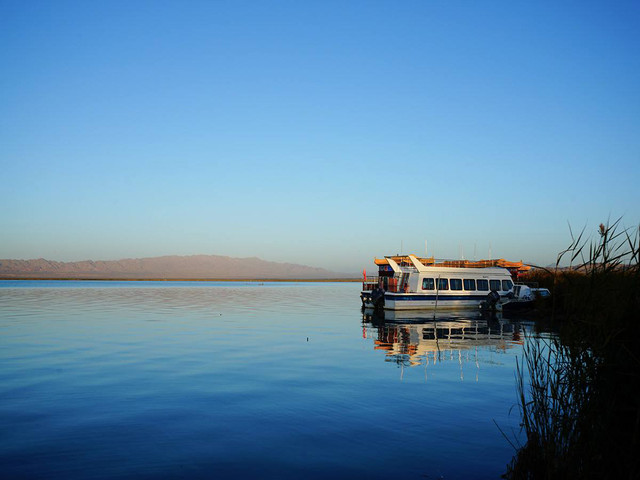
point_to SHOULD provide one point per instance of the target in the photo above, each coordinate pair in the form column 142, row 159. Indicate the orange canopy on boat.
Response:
column 430, row 262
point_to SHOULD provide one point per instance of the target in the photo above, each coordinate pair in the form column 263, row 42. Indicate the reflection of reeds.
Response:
column 577, row 390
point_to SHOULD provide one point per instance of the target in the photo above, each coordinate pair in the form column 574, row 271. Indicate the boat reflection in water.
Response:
column 415, row 338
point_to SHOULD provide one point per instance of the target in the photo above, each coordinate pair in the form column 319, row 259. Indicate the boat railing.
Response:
column 405, row 261
column 370, row 283
column 389, row 283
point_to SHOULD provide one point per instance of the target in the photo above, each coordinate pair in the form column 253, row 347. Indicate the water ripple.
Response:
column 104, row 380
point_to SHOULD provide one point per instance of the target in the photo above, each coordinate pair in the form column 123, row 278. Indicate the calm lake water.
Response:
column 246, row 380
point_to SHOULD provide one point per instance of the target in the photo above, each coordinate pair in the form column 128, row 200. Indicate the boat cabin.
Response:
column 412, row 282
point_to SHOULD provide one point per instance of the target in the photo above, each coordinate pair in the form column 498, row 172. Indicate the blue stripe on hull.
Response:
column 417, row 301
column 421, row 301
column 408, row 297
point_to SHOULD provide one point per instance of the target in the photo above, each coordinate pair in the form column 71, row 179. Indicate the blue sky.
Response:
column 319, row 132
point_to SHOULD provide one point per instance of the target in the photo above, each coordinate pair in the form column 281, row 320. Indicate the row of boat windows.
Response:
column 466, row 284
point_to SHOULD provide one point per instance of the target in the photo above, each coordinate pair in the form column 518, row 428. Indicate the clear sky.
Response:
column 315, row 132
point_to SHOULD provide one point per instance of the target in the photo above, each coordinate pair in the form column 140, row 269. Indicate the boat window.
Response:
column 428, row 284
column 495, row 285
column 456, row 284
column 507, row 284
column 469, row 284
column 443, row 284
column 483, row 285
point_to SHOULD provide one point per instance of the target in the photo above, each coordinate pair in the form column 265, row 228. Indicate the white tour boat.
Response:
column 406, row 282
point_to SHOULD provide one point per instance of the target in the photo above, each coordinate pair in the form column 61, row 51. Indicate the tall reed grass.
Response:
column 578, row 390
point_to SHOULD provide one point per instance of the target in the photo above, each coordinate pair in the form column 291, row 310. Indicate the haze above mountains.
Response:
column 166, row 267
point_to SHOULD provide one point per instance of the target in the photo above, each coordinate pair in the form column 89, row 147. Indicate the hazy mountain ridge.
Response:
column 174, row 266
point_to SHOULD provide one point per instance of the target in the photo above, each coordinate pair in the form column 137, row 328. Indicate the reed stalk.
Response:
column 577, row 389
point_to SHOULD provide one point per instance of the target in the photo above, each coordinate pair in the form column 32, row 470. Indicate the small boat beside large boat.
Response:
column 407, row 282
column 527, row 297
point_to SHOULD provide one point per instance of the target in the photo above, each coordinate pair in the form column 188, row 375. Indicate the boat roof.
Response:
column 404, row 260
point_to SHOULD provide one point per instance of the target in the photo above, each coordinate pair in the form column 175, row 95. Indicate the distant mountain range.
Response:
column 168, row 267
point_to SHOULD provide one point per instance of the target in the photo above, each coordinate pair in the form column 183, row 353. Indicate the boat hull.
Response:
column 416, row 301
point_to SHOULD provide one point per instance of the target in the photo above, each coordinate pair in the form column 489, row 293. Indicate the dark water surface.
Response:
column 234, row 380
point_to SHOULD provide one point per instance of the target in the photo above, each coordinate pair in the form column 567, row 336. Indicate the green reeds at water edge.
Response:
column 578, row 389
